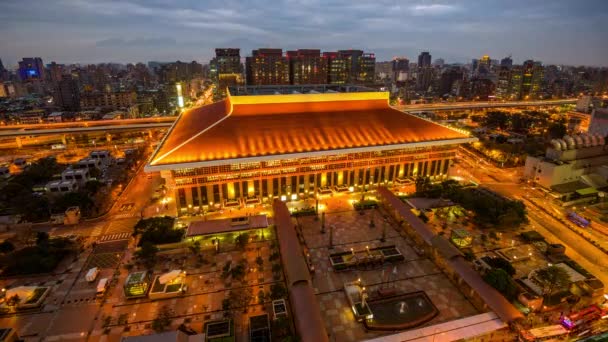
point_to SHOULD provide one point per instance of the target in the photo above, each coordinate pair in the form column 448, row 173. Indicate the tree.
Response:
column 237, row 299
column 277, row 291
column 163, row 319
column 501, row 281
column 557, row 129
column 6, row 247
column 422, row 184
column 195, row 247
column 260, row 261
column 261, row 297
column 147, row 253
column 92, row 186
column 157, row 230
column 502, row 264
column 552, row 278
column 42, row 238
column 242, row 240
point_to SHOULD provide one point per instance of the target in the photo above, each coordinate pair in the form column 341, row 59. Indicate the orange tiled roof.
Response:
column 231, row 129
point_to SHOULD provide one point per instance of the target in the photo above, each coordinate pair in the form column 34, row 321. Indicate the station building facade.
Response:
column 293, row 142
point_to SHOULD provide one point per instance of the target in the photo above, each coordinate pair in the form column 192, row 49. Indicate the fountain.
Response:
column 402, row 307
column 401, row 311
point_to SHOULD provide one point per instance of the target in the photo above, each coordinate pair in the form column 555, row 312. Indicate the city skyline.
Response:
column 554, row 32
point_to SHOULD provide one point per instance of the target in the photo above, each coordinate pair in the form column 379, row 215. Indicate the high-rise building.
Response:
column 226, row 68
column 515, row 82
column 56, row 71
column 424, row 78
column 307, row 66
column 31, row 68
column 67, row 94
column 483, row 66
column 448, row 78
column 503, row 82
column 227, row 61
column 401, row 67
column 506, row 62
column 338, row 68
column 3, row 72
column 351, row 66
column 366, row 68
column 532, row 76
column 424, row 59
column 179, row 71
column 267, row 67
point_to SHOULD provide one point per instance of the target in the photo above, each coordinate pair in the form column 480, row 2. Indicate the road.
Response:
column 506, row 182
column 478, row 105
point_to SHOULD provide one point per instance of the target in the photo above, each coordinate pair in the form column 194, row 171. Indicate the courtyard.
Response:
column 351, row 230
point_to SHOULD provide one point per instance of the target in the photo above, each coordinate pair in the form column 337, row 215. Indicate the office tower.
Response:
column 366, row 69
column 338, row 68
column 424, row 78
column 31, row 68
column 515, row 83
column 532, row 77
column 424, row 59
column 67, row 94
column 448, row 78
column 179, row 71
column 506, row 62
column 483, row 65
column 226, row 68
column 55, row 71
column 3, row 72
column 538, row 74
column 503, row 82
column 400, row 68
column 267, row 67
column 307, row 66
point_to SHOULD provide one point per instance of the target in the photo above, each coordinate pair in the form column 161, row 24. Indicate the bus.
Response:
column 551, row 332
column 578, row 219
column 579, row 318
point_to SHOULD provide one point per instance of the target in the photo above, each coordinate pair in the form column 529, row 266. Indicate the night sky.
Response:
column 573, row 32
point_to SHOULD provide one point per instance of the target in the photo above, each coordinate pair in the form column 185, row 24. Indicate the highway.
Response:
column 166, row 121
column 479, row 105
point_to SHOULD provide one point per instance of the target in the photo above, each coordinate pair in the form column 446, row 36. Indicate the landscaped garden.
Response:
column 42, row 257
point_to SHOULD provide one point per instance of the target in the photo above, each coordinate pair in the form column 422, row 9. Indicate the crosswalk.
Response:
column 115, row 237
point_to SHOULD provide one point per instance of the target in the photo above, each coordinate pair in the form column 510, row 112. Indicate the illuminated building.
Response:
column 337, row 68
column 31, row 68
column 114, row 100
column 267, row 67
column 307, row 66
column 226, row 68
column 400, row 68
column 293, row 142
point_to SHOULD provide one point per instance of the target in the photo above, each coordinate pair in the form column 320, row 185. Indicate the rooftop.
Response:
column 197, row 228
column 248, row 128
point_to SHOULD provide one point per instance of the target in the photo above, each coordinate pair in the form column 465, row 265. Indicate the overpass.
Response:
column 76, row 127
column 481, row 105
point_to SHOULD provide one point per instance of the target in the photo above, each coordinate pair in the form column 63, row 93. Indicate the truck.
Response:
column 101, row 287
column 92, row 274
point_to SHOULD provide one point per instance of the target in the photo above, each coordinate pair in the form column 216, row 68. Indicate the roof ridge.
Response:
column 158, row 159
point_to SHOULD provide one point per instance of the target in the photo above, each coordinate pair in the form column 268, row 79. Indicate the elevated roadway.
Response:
column 481, row 105
column 165, row 122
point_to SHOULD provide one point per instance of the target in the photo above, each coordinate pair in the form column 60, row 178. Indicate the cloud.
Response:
column 433, row 9
column 137, row 42
column 141, row 30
